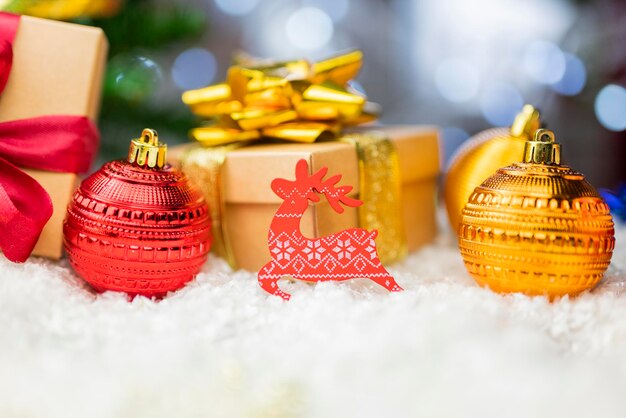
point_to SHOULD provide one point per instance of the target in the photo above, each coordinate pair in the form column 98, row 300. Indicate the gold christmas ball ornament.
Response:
column 537, row 227
column 483, row 154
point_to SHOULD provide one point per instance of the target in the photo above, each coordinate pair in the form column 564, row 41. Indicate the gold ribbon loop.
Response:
column 210, row 136
column 211, row 101
column 255, row 119
column 380, row 184
column 329, row 102
column 307, row 132
column 339, row 69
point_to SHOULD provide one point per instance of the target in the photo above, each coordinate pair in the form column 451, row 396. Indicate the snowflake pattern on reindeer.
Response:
column 348, row 254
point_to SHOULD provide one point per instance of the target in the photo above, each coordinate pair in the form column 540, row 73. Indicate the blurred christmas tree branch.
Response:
column 144, row 24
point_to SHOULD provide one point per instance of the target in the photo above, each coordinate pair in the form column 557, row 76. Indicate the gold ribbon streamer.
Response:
column 204, row 167
column 380, row 191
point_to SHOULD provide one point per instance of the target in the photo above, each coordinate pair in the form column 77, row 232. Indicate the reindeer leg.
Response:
column 387, row 281
column 268, row 281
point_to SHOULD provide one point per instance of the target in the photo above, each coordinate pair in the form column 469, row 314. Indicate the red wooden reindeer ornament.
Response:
column 345, row 255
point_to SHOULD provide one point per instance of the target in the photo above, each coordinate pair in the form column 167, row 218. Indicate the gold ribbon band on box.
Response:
column 296, row 101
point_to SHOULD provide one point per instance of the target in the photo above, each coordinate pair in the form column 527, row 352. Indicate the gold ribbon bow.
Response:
column 294, row 101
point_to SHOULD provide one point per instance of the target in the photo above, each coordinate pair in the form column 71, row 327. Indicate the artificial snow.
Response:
column 221, row 347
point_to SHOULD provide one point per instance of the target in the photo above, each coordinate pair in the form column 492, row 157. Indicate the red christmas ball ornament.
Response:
column 138, row 225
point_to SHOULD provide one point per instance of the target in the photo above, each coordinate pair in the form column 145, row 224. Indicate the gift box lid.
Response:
column 57, row 70
column 248, row 171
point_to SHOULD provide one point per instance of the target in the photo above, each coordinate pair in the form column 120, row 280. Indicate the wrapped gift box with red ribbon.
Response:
column 50, row 83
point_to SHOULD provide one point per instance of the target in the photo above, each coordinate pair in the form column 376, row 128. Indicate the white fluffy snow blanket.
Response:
column 221, row 347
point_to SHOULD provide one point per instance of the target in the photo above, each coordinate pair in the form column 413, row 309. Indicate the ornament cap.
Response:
column 543, row 149
column 146, row 151
column 526, row 122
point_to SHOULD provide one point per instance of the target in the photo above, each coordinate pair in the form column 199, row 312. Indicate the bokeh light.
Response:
column 544, row 62
column 452, row 137
column 500, row 102
column 309, row 28
column 133, row 77
column 457, row 80
column 574, row 78
column 335, row 9
column 194, row 68
column 610, row 107
column 236, row 7
column 357, row 87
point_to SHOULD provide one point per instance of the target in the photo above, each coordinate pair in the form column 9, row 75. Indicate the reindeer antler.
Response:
column 302, row 173
column 335, row 195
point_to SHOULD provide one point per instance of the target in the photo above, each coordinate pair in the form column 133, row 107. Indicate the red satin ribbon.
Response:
column 61, row 143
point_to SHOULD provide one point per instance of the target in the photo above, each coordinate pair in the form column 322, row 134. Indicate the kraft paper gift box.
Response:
column 249, row 203
column 57, row 70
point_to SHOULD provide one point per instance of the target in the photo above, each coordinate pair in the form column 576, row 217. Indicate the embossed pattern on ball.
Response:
column 137, row 230
column 536, row 229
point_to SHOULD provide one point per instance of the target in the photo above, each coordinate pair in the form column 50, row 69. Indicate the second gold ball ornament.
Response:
column 138, row 225
column 483, row 154
column 537, row 226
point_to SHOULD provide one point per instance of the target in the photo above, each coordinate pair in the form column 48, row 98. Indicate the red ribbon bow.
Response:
column 63, row 143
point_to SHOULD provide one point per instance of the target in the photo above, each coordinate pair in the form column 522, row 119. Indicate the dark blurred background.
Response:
column 462, row 65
